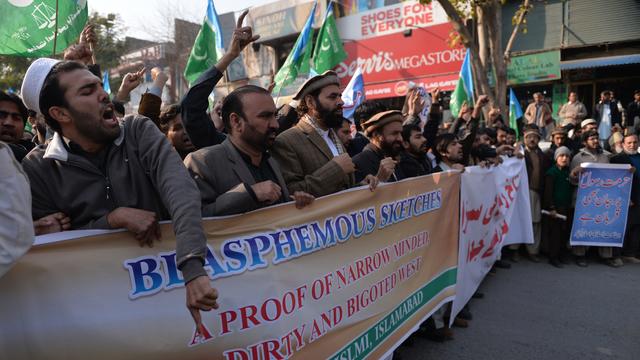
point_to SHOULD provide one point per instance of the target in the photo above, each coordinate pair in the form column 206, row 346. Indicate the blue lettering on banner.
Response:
column 150, row 274
column 602, row 207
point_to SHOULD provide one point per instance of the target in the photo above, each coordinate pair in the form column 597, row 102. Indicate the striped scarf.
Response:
column 332, row 135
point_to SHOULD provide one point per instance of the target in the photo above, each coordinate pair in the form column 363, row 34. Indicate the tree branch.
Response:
column 458, row 22
column 524, row 10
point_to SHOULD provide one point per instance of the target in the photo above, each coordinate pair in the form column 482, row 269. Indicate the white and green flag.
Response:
column 298, row 60
column 328, row 51
column 31, row 28
column 207, row 48
column 464, row 89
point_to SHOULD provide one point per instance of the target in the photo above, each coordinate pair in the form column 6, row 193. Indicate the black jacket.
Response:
column 357, row 144
column 195, row 103
column 616, row 117
column 411, row 166
column 633, row 110
column 368, row 163
column 634, row 211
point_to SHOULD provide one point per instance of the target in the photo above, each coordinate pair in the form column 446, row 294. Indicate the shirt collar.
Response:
column 58, row 147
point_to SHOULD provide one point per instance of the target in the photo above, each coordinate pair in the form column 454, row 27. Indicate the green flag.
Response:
column 30, row 28
column 328, row 51
column 464, row 89
column 298, row 60
column 207, row 48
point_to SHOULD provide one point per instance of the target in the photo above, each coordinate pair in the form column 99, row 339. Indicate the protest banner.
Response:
column 602, row 205
column 494, row 212
column 349, row 277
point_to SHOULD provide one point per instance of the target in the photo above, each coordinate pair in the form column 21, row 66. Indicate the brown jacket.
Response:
column 222, row 175
column 306, row 163
column 545, row 116
column 141, row 171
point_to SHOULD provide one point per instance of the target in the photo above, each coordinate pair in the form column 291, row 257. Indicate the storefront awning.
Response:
column 600, row 62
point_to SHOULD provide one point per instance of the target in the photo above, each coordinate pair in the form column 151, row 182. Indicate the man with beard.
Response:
column 170, row 121
column 380, row 156
column 606, row 114
column 558, row 140
column 630, row 155
column 537, row 165
column 13, row 117
column 310, row 153
column 252, row 179
column 414, row 161
column 448, row 152
column 591, row 152
column 198, row 124
column 107, row 174
column 501, row 135
column 344, row 134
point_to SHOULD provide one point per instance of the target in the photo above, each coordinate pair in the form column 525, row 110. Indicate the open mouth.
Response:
column 109, row 115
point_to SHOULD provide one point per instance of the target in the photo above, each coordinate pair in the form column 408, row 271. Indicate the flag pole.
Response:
column 286, row 77
column 55, row 34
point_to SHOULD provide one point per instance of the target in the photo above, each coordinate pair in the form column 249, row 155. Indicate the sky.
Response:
column 146, row 19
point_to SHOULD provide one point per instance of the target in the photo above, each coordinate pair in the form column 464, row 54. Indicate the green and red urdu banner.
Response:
column 347, row 278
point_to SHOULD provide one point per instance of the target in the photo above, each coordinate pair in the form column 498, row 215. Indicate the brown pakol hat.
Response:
column 381, row 119
column 327, row 78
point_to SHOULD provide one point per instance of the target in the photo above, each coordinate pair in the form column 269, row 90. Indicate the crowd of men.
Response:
column 88, row 167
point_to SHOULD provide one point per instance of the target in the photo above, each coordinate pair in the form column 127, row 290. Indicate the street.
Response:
column 535, row 311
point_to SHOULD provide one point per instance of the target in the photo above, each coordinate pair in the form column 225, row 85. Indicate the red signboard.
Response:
column 390, row 62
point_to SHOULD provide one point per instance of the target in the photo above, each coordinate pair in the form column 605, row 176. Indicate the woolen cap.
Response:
column 33, row 80
column 562, row 150
column 586, row 122
column 532, row 131
column 327, row 78
column 559, row 131
column 381, row 119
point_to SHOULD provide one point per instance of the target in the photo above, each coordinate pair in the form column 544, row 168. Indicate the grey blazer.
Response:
column 220, row 173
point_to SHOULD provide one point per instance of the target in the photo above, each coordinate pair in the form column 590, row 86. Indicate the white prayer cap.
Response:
column 33, row 81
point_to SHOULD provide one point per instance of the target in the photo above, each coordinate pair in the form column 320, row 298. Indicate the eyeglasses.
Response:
column 15, row 116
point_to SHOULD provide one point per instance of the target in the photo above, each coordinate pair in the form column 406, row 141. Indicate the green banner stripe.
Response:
column 371, row 338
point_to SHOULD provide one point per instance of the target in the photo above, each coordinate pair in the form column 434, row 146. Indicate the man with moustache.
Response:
column 13, row 117
column 106, row 174
column 127, row 172
column 251, row 179
column 537, row 165
column 592, row 152
column 630, row 155
column 170, row 122
column 380, row 156
column 413, row 160
column 310, row 153
column 448, row 152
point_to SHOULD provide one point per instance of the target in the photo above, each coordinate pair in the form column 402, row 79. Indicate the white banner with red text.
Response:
column 494, row 212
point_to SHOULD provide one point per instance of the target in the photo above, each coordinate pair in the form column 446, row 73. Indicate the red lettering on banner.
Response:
column 200, row 337
column 468, row 216
column 297, row 336
column 491, row 212
column 494, row 242
column 265, row 350
column 475, row 250
column 360, row 268
column 327, row 321
column 270, row 310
